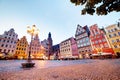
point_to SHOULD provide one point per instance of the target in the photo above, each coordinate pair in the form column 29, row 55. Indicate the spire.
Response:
column 49, row 35
column 36, row 37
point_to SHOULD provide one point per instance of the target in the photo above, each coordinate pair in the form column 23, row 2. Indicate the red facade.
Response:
column 99, row 42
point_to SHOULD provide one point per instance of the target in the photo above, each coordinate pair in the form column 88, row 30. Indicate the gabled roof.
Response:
column 80, row 30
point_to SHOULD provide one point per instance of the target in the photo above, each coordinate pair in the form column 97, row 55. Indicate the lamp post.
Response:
column 32, row 31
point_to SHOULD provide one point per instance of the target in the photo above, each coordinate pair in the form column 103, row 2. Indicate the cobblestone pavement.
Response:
column 97, row 70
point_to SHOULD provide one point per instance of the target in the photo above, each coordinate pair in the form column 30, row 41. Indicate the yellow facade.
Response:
column 22, row 48
column 113, row 35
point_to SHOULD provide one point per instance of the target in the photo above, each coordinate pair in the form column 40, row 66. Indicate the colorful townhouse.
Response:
column 35, row 48
column 99, row 42
column 113, row 35
column 68, row 49
column 83, row 41
column 8, row 42
column 22, row 48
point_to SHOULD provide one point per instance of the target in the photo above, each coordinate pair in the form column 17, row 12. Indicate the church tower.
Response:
column 50, row 43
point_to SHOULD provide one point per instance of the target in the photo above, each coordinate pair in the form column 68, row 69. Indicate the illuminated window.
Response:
column 115, row 46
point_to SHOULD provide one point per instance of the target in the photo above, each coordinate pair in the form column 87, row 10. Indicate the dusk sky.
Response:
column 60, row 17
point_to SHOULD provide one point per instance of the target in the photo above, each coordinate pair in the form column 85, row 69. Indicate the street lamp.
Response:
column 32, row 31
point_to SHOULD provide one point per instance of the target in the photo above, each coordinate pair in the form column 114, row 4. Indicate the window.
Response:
column 93, row 32
column 108, row 31
column 96, row 31
column 80, row 41
column 115, row 29
column 81, row 45
column 4, row 50
column 6, row 46
column 113, row 41
column 10, row 46
column 0, row 50
column 8, row 41
column 3, row 40
column 110, row 36
column 119, row 33
column 87, row 39
column 117, row 40
column 88, row 43
column 115, row 35
column 112, row 30
column 115, row 46
column 106, row 45
column 2, row 45
column 96, row 42
column 84, row 44
column 104, row 40
column 100, row 41
column 8, row 50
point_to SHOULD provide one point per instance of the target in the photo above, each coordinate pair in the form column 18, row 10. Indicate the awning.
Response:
column 95, row 54
column 106, row 54
column 101, row 54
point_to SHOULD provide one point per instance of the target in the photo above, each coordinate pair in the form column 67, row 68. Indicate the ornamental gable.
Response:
column 79, row 30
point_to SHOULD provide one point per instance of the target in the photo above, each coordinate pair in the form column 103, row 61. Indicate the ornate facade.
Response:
column 83, row 41
column 35, row 48
column 113, row 35
column 99, row 42
column 8, row 42
column 22, row 48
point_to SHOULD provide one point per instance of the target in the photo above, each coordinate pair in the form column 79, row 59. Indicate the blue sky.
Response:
column 60, row 17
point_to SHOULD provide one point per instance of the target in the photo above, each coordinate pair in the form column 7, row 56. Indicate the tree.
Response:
column 101, row 7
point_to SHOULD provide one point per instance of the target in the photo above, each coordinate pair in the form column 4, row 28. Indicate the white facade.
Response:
column 66, row 49
column 8, row 42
